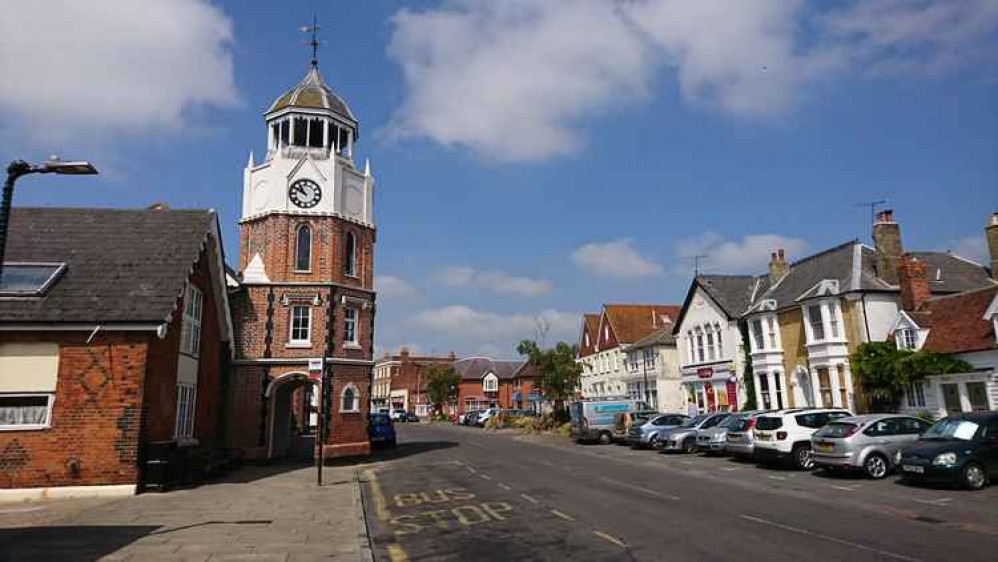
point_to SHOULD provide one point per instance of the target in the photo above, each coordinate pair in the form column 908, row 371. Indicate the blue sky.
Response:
column 535, row 159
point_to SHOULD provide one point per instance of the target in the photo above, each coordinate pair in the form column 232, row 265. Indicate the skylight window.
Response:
column 29, row 279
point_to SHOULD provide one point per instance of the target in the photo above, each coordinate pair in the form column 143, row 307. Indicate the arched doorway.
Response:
column 294, row 416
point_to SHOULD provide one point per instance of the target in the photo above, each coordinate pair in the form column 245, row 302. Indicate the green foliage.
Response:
column 886, row 371
column 441, row 385
column 558, row 373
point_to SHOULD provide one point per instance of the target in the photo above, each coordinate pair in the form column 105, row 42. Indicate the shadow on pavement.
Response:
column 252, row 471
column 402, row 450
column 83, row 543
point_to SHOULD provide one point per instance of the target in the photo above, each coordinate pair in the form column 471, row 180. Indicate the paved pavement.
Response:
column 471, row 495
column 256, row 513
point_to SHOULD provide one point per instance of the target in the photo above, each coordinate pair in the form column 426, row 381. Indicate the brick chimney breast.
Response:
column 991, row 233
column 887, row 243
column 778, row 266
column 914, row 281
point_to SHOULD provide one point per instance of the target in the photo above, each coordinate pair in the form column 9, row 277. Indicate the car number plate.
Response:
column 913, row 468
column 823, row 447
column 762, row 437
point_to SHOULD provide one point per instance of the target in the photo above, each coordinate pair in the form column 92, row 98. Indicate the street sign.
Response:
column 315, row 365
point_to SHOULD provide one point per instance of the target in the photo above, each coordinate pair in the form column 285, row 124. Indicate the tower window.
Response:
column 301, row 132
column 342, row 143
column 284, row 126
column 301, row 325
column 351, row 255
column 316, row 132
column 350, row 326
column 303, row 260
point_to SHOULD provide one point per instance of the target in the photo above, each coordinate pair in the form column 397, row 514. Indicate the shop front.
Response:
column 710, row 389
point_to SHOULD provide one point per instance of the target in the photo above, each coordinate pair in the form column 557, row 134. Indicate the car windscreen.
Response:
column 739, row 424
column 768, row 423
column 963, row 430
column 693, row 422
column 379, row 419
column 836, row 429
column 731, row 422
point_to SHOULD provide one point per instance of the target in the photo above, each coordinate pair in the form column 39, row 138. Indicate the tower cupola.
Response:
column 311, row 117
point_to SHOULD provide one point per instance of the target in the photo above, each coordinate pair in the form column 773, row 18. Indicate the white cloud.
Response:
column 470, row 328
column 495, row 281
column 614, row 259
column 83, row 68
column 751, row 254
column 519, row 79
column 393, row 287
column 973, row 248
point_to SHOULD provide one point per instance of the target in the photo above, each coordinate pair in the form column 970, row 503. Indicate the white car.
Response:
column 485, row 415
column 786, row 435
column 397, row 415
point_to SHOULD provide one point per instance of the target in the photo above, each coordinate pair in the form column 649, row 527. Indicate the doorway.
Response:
column 293, row 416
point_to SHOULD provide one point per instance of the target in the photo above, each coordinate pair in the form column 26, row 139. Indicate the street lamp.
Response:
column 19, row 168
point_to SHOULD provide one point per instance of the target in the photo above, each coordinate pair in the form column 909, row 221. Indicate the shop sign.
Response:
column 705, row 372
column 732, row 396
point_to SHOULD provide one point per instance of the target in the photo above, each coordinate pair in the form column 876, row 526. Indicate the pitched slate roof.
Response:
column 122, row 265
column 474, row 368
column 952, row 274
column 632, row 322
column 957, row 322
column 733, row 293
column 661, row 336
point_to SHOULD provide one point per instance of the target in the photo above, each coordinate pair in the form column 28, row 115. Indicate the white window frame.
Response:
column 811, row 322
column 50, row 396
column 698, row 336
column 632, row 360
column 190, row 330
column 351, row 336
column 292, row 341
column 490, row 383
column 758, row 335
column 356, row 399
column 351, row 255
column 771, row 324
column 906, row 338
column 649, row 357
column 711, row 350
column 187, row 399
column 720, row 344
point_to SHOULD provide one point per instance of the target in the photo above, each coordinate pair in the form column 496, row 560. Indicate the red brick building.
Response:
column 114, row 339
column 303, row 301
column 400, row 382
column 486, row 383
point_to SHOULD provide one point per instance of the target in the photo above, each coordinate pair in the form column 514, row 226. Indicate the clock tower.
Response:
column 303, row 298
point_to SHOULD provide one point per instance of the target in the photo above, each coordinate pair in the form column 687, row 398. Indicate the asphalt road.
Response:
column 455, row 493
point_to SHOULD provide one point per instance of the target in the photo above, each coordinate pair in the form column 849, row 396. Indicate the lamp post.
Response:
column 19, row 168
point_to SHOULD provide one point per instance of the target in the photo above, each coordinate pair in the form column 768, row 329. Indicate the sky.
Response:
column 534, row 158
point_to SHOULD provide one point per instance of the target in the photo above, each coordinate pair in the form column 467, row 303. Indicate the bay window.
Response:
column 649, row 357
column 757, row 335
column 814, row 319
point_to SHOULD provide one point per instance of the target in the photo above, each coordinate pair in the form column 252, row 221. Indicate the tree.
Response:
column 886, row 371
column 558, row 373
column 441, row 385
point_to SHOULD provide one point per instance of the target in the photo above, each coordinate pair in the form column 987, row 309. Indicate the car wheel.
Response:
column 802, row 457
column 653, row 441
column 689, row 447
column 875, row 466
column 973, row 476
column 604, row 438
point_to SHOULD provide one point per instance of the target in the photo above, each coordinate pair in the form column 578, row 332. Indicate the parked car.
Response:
column 593, row 419
column 714, row 440
column 381, row 430
column 741, row 435
column 625, row 420
column 397, row 415
column 484, row 416
column 960, row 449
column 410, row 417
column 786, row 436
column 868, row 443
column 468, row 418
column 644, row 435
column 684, row 438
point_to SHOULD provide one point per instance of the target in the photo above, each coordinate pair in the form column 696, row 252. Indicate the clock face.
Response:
column 305, row 194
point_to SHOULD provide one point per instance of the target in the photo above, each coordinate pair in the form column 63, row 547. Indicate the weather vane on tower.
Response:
column 314, row 41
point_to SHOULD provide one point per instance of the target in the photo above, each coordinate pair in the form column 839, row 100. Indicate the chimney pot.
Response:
column 887, row 215
column 781, row 254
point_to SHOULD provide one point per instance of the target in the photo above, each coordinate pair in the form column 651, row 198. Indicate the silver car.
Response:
column 648, row 433
column 868, row 443
column 714, row 441
column 684, row 438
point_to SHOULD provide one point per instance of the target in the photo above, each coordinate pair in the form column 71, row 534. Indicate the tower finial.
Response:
column 314, row 40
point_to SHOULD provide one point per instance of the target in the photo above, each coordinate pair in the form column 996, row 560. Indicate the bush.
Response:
column 926, row 415
column 563, row 430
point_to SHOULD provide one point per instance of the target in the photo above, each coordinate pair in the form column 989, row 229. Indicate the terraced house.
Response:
column 605, row 340
column 804, row 326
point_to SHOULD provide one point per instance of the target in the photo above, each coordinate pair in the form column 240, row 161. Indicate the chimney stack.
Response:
column 887, row 243
column 778, row 266
column 991, row 233
column 914, row 283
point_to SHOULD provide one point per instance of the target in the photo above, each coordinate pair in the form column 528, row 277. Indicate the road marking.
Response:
column 471, row 469
column 829, row 538
column 776, row 477
column 504, row 487
column 686, row 462
column 939, row 502
column 729, row 469
column 459, row 463
column 396, row 554
column 640, row 489
column 607, row 537
column 379, row 497
column 529, row 499
column 564, row 516
column 846, row 488
column 486, row 476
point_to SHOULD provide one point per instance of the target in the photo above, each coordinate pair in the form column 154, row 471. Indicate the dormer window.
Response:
column 906, row 338
column 490, row 383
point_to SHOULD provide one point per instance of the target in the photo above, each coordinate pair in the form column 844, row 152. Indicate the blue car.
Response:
column 381, row 430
